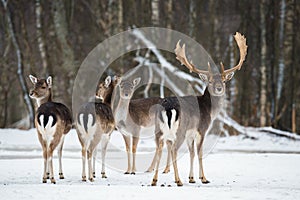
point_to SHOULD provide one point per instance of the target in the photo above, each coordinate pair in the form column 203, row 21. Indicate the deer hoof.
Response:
column 127, row 172
column 84, row 178
column 191, row 180
column 154, row 181
column 53, row 180
column 61, row 176
column 179, row 183
column 204, row 180
column 167, row 170
column 103, row 175
column 132, row 173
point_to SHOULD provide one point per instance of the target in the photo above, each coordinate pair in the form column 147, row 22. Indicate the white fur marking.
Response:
column 169, row 134
column 46, row 130
column 91, row 129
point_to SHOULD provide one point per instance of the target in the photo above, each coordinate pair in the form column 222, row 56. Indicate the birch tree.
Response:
column 11, row 32
column 263, row 81
column 40, row 38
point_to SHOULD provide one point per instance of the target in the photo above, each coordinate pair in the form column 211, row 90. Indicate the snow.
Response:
column 237, row 167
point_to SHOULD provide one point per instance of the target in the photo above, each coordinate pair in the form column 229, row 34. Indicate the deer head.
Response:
column 127, row 88
column 106, row 88
column 215, row 82
column 41, row 88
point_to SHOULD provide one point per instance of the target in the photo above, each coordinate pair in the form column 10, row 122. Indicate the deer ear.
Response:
column 107, row 81
column 49, row 81
column 229, row 76
column 203, row 77
column 136, row 81
column 33, row 79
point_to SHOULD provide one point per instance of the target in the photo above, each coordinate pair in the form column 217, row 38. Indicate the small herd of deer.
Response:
column 175, row 119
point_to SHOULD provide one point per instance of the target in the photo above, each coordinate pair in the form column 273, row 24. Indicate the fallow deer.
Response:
column 95, row 122
column 180, row 119
column 53, row 121
column 131, row 115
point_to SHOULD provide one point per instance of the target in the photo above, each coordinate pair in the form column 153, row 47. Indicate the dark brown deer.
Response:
column 53, row 121
column 179, row 118
column 95, row 122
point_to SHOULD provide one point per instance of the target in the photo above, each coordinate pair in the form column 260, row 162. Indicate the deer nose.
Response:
column 219, row 89
column 126, row 95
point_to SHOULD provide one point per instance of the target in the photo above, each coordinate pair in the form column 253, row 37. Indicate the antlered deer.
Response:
column 53, row 121
column 95, row 122
column 178, row 119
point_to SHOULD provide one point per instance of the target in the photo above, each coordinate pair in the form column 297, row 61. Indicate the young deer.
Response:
column 131, row 116
column 179, row 118
column 52, row 121
column 95, row 122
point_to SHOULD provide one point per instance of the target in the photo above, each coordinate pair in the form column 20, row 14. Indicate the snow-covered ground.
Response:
column 238, row 168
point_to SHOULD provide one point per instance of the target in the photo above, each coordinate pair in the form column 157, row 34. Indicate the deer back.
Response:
column 58, row 111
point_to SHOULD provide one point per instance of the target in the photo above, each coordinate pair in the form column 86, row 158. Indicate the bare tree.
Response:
column 263, row 82
column 40, row 38
column 11, row 32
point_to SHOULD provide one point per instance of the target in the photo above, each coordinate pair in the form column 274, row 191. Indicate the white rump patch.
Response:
column 169, row 134
column 46, row 130
column 88, row 136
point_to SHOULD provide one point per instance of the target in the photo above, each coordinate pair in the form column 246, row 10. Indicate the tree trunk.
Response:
column 192, row 16
column 232, row 85
column 263, row 81
column 67, row 57
column 20, row 74
column 40, row 38
column 155, row 12
column 281, row 64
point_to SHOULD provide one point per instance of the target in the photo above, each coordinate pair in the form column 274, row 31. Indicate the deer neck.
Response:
column 43, row 100
column 122, row 110
column 108, row 99
column 217, row 103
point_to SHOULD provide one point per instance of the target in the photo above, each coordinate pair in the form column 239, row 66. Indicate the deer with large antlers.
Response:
column 95, row 122
column 190, row 117
column 53, row 121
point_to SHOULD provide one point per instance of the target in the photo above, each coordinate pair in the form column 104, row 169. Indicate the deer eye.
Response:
column 43, row 87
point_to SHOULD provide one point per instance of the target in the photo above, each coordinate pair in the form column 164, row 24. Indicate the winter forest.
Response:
column 53, row 37
column 129, row 49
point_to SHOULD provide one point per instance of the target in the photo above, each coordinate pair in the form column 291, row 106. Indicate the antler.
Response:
column 241, row 42
column 180, row 55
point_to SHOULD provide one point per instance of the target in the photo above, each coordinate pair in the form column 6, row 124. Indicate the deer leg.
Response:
column 174, row 160
column 83, row 153
column 59, row 152
column 50, row 164
column 105, row 140
column 167, row 169
column 192, row 155
column 127, row 143
column 90, row 170
column 152, row 165
column 45, row 176
column 94, row 158
column 135, row 141
column 200, row 155
column 159, row 152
